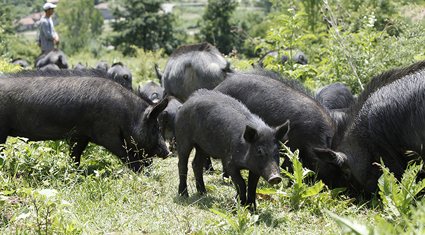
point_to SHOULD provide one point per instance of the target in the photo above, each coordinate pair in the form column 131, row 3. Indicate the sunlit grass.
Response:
column 106, row 197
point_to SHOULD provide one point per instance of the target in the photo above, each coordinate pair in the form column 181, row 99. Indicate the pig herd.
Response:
column 237, row 117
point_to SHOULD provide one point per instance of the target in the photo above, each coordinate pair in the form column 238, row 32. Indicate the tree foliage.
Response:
column 143, row 25
column 22, row 8
column 215, row 26
column 6, row 19
column 80, row 22
column 12, row 47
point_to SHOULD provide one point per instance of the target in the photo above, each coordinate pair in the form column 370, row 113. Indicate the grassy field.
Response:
column 42, row 192
column 104, row 197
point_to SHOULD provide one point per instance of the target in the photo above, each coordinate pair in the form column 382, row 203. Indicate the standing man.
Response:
column 47, row 37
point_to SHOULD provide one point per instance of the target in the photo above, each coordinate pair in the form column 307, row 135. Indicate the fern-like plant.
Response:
column 299, row 190
column 399, row 201
column 398, row 196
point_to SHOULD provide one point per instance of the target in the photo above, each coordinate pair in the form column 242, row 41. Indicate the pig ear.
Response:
column 250, row 134
column 157, row 109
column 165, row 116
column 329, row 156
column 159, row 74
column 282, row 130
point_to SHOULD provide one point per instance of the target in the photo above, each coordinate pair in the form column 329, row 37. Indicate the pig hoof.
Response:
column 183, row 193
column 252, row 207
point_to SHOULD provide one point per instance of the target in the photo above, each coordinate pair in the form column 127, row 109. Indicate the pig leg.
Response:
column 3, row 138
column 121, row 149
column 225, row 174
column 3, row 135
column 183, row 152
column 286, row 164
column 252, row 187
column 239, row 184
column 198, row 165
column 208, row 165
column 132, row 158
column 77, row 147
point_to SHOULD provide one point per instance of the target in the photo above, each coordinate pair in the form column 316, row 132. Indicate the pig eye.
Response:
column 261, row 152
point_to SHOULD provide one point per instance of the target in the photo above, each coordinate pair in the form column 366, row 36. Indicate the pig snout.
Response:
column 274, row 179
column 162, row 152
column 271, row 173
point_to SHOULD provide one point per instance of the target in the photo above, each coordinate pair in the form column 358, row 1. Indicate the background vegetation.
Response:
column 41, row 191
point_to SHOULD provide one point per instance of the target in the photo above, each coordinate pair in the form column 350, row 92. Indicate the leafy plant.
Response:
column 7, row 67
column 243, row 222
column 146, row 71
column 79, row 25
column 337, row 35
column 46, row 211
column 287, row 37
column 299, row 190
column 144, row 27
column 397, row 197
column 215, row 26
column 352, row 226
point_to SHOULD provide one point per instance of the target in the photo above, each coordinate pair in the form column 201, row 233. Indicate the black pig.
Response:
column 121, row 74
column 103, row 65
column 337, row 99
column 80, row 108
column 79, row 65
column 54, row 56
column 49, row 67
column 334, row 96
column 276, row 101
column 388, row 125
column 167, row 119
column 191, row 67
column 222, row 127
column 152, row 90
column 299, row 58
column 21, row 62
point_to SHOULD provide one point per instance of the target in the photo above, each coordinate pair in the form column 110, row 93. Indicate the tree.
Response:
column 6, row 26
column 79, row 23
column 143, row 25
column 6, row 19
column 215, row 26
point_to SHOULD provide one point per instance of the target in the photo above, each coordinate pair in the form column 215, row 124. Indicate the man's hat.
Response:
column 48, row 5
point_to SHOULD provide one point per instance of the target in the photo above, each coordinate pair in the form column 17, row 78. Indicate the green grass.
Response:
column 106, row 197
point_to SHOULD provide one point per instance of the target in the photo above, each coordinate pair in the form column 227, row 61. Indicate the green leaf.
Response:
column 234, row 225
column 350, row 226
column 26, row 191
column 336, row 191
column 3, row 200
column 266, row 191
column 312, row 191
column 8, row 192
column 48, row 192
column 287, row 174
column 25, row 214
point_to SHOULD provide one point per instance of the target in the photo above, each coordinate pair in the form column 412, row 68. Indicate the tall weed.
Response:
column 401, row 211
